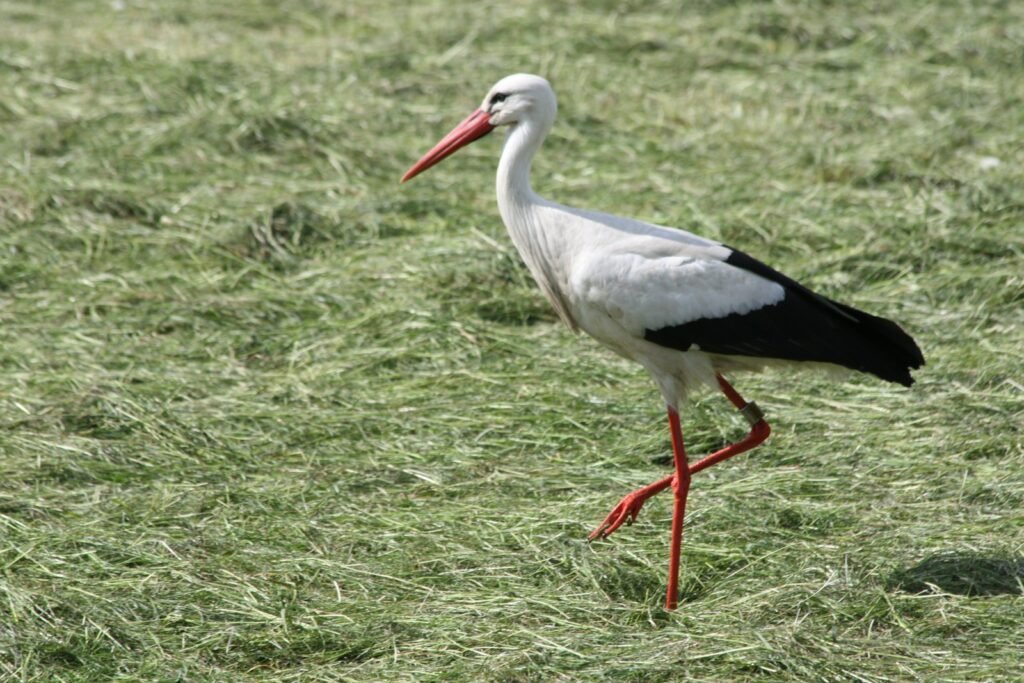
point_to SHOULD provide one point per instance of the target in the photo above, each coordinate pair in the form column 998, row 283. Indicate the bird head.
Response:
column 515, row 99
column 520, row 97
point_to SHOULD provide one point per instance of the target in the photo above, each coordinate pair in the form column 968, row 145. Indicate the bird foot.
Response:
column 623, row 513
column 628, row 509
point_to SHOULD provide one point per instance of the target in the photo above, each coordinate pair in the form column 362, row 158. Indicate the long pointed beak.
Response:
column 476, row 125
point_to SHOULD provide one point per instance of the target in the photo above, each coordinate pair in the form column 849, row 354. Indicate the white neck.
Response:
column 540, row 242
column 513, row 182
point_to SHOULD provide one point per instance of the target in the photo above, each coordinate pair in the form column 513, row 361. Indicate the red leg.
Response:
column 759, row 429
column 629, row 507
column 681, row 488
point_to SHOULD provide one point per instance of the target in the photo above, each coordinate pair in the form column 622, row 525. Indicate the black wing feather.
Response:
column 804, row 326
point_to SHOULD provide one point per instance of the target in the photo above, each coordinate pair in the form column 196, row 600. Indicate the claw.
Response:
column 628, row 509
column 623, row 513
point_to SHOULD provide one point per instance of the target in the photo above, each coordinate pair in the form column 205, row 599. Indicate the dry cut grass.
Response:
column 266, row 415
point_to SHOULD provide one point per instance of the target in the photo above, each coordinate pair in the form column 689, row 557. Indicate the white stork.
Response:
column 686, row 308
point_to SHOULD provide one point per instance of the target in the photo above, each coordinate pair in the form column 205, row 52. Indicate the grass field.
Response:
column 267, row 415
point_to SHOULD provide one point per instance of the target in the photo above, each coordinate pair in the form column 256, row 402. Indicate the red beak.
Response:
column 476, row 125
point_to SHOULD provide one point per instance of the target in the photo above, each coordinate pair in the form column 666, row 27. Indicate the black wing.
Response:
column 803, row 326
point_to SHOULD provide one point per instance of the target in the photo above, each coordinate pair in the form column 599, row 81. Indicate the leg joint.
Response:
column 752, row 412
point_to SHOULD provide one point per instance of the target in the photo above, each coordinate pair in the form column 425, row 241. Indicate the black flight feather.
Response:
column 803, row 326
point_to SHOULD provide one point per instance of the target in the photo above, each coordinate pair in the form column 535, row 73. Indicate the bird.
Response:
column 690, row 310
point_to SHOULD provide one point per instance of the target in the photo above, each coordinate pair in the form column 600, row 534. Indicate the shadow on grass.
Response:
column 963, row 573
column 637, row 583
column 628, row 580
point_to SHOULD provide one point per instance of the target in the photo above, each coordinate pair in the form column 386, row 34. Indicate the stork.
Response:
column 688, row 309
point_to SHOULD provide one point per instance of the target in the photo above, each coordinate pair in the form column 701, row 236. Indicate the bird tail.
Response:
column 892, row 353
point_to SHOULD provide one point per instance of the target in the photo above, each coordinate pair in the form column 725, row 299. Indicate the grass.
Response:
column 267, row 415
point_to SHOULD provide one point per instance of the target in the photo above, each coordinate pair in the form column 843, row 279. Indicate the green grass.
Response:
column 267, row 415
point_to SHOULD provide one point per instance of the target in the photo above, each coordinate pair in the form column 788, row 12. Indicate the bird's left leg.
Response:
column 629, row 507
column 681, row 488
column 759, row 431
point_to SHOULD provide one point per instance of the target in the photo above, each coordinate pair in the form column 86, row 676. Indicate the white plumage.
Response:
column 684, row 307
column 610, row 276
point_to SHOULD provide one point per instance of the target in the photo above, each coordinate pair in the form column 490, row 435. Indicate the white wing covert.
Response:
column 643, row 293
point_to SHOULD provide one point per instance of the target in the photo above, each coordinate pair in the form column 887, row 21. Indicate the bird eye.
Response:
column 498, row 97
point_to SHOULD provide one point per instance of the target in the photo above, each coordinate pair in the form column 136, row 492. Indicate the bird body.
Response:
column 686, row 308
column 616, row 278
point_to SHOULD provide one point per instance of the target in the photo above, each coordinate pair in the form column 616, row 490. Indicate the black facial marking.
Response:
column 498, row 97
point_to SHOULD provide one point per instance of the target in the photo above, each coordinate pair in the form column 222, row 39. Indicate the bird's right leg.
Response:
column 759, row 429
column 629, row 507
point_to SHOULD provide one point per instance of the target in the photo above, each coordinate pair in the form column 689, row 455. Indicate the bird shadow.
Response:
column 634, row 581
column 962, row 573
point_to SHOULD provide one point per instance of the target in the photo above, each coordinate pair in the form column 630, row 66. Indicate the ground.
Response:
column 266, row 414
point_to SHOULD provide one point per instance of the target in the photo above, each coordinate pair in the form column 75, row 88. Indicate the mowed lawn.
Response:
column 268, row 415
